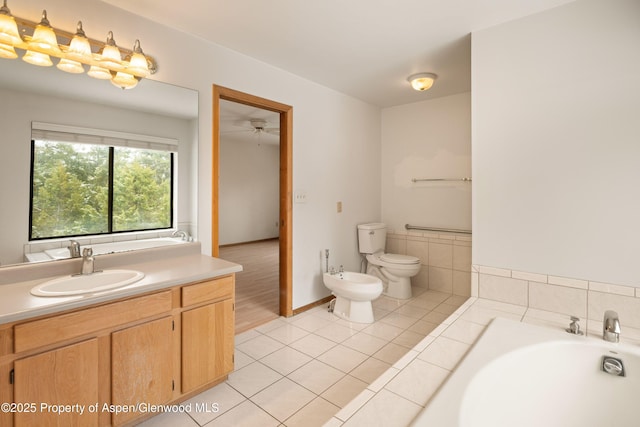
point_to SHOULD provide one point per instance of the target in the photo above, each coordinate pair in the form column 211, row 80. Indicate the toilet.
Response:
column 354, row 293
column 395, row 271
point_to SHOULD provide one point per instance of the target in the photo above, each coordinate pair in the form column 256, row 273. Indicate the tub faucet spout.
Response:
column 182, row 234
column 611, row 326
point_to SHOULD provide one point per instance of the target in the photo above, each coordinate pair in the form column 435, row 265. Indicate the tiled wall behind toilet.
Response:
column 445, row 259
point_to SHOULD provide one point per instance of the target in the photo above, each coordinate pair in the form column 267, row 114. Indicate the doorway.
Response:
column 285, row 184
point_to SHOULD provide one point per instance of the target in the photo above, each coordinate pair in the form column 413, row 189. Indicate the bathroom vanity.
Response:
column 111, row 358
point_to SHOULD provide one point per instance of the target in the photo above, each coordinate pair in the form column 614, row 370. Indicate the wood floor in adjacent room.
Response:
column 257, row 285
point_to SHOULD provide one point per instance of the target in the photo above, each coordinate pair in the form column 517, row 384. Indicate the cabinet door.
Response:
column 65, row 376
column 207, row 344
column 141, row 366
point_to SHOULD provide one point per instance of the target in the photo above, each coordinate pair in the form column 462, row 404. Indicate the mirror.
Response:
column 46, row 94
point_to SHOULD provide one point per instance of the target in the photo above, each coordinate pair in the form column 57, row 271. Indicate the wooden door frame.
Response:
column 286, row 173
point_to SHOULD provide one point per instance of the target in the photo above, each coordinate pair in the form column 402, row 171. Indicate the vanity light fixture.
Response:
column 75, row 52
column 422, row 81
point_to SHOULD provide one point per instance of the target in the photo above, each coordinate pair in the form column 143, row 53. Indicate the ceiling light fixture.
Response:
column 422, row 81
column 74, row 50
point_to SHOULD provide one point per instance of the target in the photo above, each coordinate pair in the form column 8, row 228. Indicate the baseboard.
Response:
column 312, row 305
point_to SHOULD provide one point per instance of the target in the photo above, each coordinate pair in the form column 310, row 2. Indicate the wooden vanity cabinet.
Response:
column 142, row 366
column 64, row 376
column 207, row 332
column 158, row 348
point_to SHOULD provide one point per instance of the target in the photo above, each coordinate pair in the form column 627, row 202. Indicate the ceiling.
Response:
column 363, row 48
column 235, row 124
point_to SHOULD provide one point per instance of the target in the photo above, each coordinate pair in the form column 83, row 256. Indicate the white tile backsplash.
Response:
column 503, row 288
column 563, row 296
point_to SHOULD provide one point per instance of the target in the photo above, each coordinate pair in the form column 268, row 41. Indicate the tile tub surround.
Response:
column 400, row 393
column 301, row 371
column 562, row 296
column 445, row 258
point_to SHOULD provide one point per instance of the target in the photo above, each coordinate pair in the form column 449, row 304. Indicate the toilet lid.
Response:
column 399, row 259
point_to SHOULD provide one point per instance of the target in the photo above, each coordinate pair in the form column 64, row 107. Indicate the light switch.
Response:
column 339, row 207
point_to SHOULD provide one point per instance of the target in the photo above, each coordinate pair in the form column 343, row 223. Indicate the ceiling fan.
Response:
column 255, row 126
column 261, row 126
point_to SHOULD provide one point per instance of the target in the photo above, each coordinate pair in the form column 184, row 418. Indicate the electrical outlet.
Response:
column 300, row 196
column 339, row 207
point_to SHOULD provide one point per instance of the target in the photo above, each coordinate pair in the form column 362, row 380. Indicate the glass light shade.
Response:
column 44, row 39
column 70, row 66
column 37, row 58
column 124, row 80
column 99, row 73
column 79, row 47
column 110, row 56
column 7, row 51
column 138, row 64
column 8, row 28
column 422, row 81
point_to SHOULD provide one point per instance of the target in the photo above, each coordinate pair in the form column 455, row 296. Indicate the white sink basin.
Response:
column 79, row 284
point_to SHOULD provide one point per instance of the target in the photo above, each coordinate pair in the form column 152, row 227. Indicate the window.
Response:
column 80, row 188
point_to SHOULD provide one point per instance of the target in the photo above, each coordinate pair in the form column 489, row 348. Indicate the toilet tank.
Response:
column 372, row 237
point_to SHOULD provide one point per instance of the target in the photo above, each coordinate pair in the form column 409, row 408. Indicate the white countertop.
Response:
column 17, row 303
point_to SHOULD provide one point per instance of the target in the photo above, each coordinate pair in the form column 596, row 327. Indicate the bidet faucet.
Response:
column 611, row 326
column 87, row 261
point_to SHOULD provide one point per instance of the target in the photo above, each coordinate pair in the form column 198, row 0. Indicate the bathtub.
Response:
column 524, row 375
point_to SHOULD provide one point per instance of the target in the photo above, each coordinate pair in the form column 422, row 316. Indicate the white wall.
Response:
column 335, row 137
column 15, row 152
column 556, row 108
column 249, row 190
column 429, row 139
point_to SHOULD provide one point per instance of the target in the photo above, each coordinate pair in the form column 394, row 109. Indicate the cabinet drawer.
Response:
column 47, row 331
column 211, row 290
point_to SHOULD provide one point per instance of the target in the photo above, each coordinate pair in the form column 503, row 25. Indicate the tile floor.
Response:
column 303, row 370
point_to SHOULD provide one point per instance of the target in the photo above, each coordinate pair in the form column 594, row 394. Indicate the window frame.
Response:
column 110, row 207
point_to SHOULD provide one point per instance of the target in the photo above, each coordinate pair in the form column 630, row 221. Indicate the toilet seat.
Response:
column 399, row 259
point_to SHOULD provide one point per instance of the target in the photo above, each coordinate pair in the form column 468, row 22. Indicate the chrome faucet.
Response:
column 74, row 249
column 183, row 234
column 87, row 261
column 611, row 326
